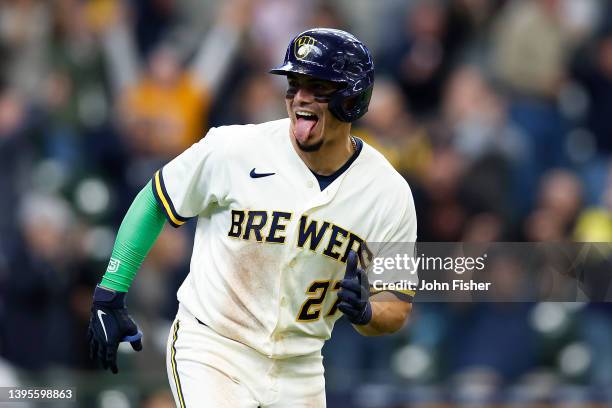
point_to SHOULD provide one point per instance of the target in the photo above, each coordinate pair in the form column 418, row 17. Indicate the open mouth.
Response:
column 306, row 115
column 305, row 122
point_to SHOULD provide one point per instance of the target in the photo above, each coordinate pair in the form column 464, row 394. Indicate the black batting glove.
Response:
column 354, row 293
column 109, row 325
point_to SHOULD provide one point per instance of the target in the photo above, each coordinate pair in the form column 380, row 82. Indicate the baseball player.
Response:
column 283, row 209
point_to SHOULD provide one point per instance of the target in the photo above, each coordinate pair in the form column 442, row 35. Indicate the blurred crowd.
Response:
column 497, row 113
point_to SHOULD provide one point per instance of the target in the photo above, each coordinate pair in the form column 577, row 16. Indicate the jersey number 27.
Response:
column 311, row 308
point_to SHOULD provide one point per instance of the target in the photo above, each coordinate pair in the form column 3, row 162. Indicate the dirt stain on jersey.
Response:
column 250, row 284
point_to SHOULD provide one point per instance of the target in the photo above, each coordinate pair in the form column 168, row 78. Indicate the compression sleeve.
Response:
column 140, row 228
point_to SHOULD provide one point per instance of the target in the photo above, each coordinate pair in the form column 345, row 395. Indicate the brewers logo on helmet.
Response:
column 304, row 46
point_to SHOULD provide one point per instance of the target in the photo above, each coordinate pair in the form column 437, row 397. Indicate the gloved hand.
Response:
column 109, row 325
column 354, row 293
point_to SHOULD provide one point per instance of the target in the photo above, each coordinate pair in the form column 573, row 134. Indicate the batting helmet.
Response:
column 337, row 56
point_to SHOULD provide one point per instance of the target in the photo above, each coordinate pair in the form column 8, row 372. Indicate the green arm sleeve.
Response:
column 140, row 228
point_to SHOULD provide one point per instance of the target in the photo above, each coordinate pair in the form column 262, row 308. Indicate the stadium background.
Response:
column 497, row 112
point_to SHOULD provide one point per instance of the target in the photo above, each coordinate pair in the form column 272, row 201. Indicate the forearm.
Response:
column 140, row 228
column 221, row 44
column 388, row 315
column 121, row 57
column 214, row 56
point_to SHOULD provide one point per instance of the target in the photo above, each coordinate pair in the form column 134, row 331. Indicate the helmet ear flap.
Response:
column 349, row 106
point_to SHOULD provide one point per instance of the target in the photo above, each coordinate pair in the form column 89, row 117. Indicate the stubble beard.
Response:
column 309, row 148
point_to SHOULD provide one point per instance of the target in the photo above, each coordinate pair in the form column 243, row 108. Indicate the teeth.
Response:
column 307, row 114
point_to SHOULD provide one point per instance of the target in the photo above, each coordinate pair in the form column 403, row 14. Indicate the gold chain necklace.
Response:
column 354, row 144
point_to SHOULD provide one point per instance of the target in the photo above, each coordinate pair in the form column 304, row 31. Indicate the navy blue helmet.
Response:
column 337, row 56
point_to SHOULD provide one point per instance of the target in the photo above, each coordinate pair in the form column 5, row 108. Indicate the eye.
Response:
column 291, row 89
column 323, row 89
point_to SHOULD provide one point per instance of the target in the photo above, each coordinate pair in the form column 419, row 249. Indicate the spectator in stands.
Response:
column 163, row 108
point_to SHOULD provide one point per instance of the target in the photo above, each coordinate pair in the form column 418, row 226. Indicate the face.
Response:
column 164, row 66
column 307, row 105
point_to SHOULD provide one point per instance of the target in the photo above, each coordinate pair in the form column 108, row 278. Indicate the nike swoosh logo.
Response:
column 100, row 313
column 253, row 174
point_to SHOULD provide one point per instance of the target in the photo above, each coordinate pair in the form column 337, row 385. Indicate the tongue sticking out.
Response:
column 303, row 127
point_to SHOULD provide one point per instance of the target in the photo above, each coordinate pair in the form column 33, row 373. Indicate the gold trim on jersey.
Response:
column 165, row 200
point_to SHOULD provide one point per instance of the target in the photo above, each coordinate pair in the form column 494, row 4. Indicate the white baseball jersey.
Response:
column 270, row 246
